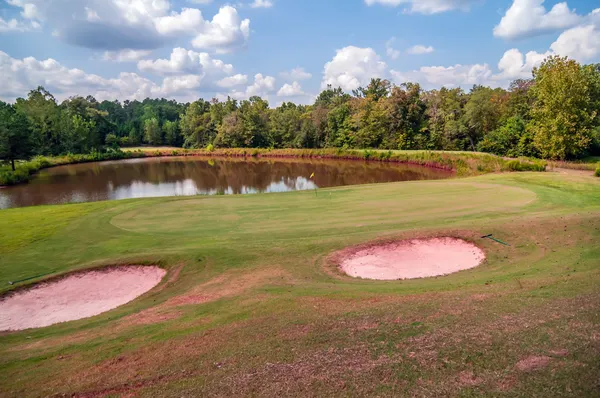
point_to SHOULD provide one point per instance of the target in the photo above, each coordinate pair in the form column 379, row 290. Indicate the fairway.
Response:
column 253, row 303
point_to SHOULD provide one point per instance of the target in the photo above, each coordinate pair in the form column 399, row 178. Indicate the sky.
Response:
column 281, row 50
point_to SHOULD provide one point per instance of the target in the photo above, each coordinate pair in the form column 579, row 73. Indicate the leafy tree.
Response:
column 171, row 133
column 152, row 132
column 43, row 115
column 481, row 114
column 406, row 110
column 377, row 89
column 15, row 135
column 197, row 126
column 562, row 120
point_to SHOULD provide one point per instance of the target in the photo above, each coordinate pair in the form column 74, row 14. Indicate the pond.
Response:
column 186, row 176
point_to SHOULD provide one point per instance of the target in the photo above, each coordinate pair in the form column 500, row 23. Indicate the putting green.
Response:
column 332, row 211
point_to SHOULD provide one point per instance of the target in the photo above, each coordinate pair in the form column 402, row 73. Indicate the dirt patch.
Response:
column 77, row 296
column 411, row 259
column 532, row 363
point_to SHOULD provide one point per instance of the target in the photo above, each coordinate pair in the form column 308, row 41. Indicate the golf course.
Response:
column 253, row 302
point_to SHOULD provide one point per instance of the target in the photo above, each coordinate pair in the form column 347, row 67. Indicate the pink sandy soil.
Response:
column 410, row 259
column 77, row 296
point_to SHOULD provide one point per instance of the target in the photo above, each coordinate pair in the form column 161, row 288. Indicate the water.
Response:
column 185, row 176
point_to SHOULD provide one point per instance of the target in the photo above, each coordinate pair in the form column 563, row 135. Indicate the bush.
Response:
column 526, row 165
column 597, row 173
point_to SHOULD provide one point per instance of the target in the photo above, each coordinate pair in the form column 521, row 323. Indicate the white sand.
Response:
column 410, row 259
column 75, row 297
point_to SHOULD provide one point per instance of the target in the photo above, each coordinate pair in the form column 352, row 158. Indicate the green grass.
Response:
column 268, row 315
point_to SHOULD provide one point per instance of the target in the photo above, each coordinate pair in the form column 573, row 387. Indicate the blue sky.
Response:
column 280, row 49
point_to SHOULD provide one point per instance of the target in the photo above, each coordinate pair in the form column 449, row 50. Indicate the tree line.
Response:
column 553, row 115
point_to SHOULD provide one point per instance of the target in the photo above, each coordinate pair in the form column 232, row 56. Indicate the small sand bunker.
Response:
column 77, row 296
column 410, row 259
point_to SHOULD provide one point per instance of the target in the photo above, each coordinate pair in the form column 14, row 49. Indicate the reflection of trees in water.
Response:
column 185, row 176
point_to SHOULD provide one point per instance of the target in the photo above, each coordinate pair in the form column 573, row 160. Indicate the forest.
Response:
column 553, row 115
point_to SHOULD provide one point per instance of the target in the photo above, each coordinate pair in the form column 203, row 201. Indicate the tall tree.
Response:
column 562, row 119
column 15, row 138
column 152, row 132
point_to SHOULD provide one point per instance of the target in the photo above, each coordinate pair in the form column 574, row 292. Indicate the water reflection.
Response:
column 154, row 177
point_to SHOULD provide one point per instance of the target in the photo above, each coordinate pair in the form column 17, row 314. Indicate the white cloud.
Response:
column 113, row 25
column 183, row 61
column 352, row 67
column 262, row 86
column 290, row 90
column 527, row 18
column 225, row 33
column 514, row 65
column 296, row 74
column 581, row 43
column 426, row 6
column 19, row 76
column 201, row 2
column 420, row 49
column 391, row 52
column 233, row 81
column 261, row 4
column 126, row 55
column 452, row 76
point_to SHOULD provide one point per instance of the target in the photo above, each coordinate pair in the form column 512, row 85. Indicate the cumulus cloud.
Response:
column 514, row 65
column 225, row 33
column 527, row 18
column 233, row 81
column 420, row 49
column 184, row 61
column 426, row 6
column 290, row 90
column 19, row 76
column 451, row 76
column 352, row 67
column 296, row 74
column 262, row 86
column 581, row 43
column 113, row 25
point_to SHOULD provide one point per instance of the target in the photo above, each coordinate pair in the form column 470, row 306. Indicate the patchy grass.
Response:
column 251, row 307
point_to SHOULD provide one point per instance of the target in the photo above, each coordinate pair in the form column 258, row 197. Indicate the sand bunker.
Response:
column 409, row 259
column 77, row 296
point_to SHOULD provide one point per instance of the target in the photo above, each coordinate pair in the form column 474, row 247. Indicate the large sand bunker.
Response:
column 77, row 296
column 410, row 259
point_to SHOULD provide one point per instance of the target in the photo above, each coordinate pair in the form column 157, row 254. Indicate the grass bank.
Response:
column 251, row 306
column 25, row 170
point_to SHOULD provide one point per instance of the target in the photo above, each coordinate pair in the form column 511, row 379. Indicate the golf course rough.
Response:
column 77, row 296
column 412, row 259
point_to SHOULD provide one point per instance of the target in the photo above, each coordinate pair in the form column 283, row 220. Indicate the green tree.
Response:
column 481, row 113
column 171, row 133
column 15, row 138
column 152, row 132
column 562, row 119
column 197, row 126
column 377, row 89
column 43, row 115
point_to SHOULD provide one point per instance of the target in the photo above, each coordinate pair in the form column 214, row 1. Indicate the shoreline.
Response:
column 461, row 163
